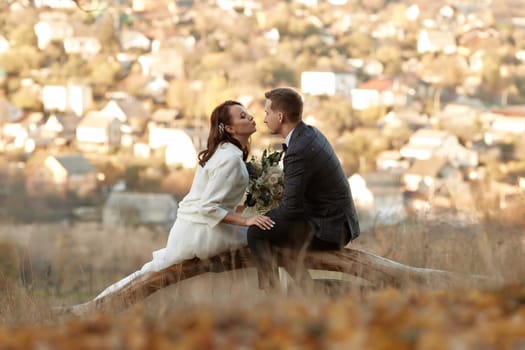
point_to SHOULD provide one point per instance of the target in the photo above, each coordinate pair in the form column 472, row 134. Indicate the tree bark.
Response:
column 378, row 271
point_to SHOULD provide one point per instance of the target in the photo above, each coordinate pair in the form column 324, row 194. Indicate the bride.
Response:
column 207, row 223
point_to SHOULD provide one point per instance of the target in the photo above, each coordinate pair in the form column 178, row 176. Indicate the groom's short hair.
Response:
column 288, row 101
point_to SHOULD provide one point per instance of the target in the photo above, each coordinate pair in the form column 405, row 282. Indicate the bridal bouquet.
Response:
column 265, row 189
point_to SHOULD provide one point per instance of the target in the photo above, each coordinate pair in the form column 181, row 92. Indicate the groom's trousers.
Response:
column 296, row 236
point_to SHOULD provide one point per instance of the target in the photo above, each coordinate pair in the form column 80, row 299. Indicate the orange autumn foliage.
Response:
column 383, row 319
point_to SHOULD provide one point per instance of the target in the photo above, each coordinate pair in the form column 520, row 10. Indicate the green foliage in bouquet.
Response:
column 265, row 189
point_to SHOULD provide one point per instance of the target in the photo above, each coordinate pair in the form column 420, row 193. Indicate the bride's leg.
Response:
column 154, row 264
column 119, row 284
column 177, row 249
column 150, row 266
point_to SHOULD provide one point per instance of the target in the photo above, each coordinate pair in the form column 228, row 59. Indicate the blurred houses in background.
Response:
column 98, row 133
column 427, row 143
column 61, row 176
column 60, row 129
column 424, row 113
column 77, row 98
column 328, row 83
column 179, row 150
column 379, row 198
column 132, row 208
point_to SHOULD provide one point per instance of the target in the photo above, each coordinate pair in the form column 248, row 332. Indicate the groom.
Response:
column 317, row 211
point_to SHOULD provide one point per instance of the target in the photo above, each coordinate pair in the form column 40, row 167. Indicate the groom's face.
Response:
column 272, row 119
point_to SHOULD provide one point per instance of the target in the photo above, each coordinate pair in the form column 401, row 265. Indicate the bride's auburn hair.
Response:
column 220, row 117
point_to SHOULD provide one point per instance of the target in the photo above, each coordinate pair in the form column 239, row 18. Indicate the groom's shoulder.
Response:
column 314, row 143
column 309, row 142
column 310, row 134
column 306, row 132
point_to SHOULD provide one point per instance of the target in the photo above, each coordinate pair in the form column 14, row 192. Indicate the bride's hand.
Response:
column 261, row 221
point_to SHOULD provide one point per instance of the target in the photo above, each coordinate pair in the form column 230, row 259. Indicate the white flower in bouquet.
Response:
column 265, row 189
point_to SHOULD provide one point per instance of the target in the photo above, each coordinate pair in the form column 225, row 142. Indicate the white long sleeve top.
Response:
column 217, row 188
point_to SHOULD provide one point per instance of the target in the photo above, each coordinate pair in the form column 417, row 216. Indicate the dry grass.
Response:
column 60, row 264
column 494, row 248
column 65, row 265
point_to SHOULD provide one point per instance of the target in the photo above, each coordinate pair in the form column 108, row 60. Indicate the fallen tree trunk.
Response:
column 378, row 271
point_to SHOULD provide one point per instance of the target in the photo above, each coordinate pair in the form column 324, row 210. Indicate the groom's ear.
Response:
column 280, row 117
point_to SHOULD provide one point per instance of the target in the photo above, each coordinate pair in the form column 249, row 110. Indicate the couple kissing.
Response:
column 316, row 211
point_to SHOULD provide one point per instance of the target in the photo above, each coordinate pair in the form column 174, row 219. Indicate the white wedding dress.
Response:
column 217, row 189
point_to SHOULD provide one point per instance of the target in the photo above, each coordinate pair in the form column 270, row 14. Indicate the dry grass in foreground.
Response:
column 386, row 319
column 69, row 265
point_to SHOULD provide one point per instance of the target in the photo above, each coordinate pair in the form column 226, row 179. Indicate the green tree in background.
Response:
column 390, row 57
column 182, row 97
column 212, row 64
column 215, row 91
column 271, row 71
column 23, row 35
column 18, row 61
column 73, row 68
column 372, row 5
column 76, row 67
column 54, row 52
column 25, row 98
column 106, row 33
column 315, row 45
column 335, row 113
column 358, row 44
column 497, row 77
column 289, row 25
column 397, row 136
column 360, row 148
column 443, row 78
column 491, row 73
column 103, row 73
column 370, row 116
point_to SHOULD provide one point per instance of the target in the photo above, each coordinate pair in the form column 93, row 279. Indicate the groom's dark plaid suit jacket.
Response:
column 316, row 188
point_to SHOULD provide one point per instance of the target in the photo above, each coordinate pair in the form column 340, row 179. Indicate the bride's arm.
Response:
column 222, row 178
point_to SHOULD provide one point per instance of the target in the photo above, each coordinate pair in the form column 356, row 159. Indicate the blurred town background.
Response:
column 104, row 104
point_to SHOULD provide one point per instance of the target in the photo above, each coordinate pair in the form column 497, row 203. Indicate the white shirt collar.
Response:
column 288, row 137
